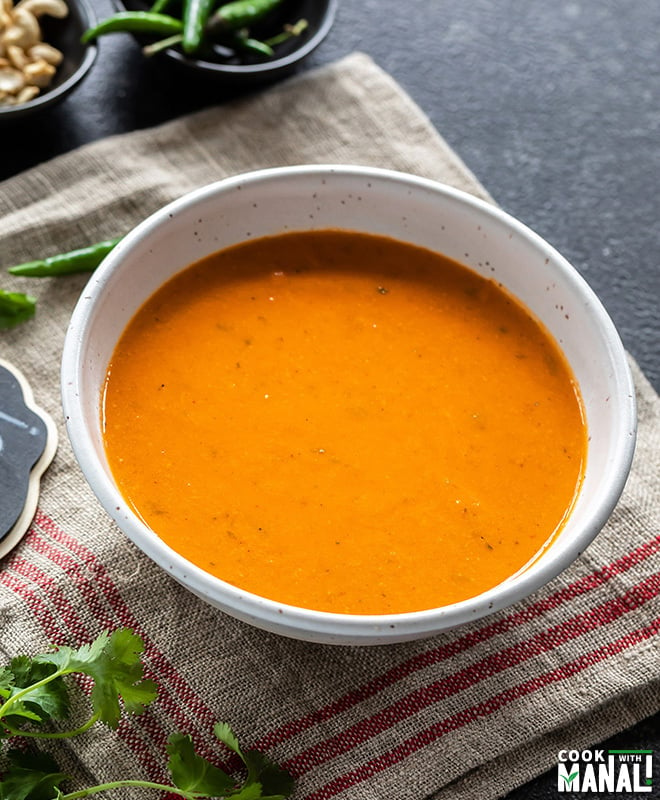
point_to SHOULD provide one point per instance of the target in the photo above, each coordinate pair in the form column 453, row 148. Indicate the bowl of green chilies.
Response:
column 234, row 42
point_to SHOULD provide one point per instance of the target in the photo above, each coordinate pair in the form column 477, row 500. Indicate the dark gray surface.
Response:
column 555, row 106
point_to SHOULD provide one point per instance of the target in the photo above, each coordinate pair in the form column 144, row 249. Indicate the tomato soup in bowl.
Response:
column 348, row 405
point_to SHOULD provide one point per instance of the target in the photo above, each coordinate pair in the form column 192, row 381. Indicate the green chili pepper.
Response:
column 159, row 6
column 289, row 32
column 135, row 22
column 242, row 40
column 86, row 259
column 15, row 307
column 195, row 16
column 242, row 13
column 162, row 44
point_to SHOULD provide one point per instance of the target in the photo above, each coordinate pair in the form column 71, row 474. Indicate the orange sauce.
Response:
column 344, row 422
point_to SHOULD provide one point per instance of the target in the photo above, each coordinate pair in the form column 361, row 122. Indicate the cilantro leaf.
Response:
column 34, row 690
column 114, row 662
column 6, row 681
column 226, row 735
column 15, row 307
column 30, row 776
column 275, row 781
column 119, row 673
column 192, row 773
column 46, row 701
column 251, row 791
column 262, row 771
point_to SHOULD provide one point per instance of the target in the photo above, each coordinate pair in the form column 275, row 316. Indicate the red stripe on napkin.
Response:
column 104, row 584
column 466, row 678
column 463, row 643
column 108, row 608
column 84, row 582
column 54, row 628
column 40, row 611
column 101, row 594
column 490, row 706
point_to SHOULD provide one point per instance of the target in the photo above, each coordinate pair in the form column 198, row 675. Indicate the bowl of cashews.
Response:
column 42, row 57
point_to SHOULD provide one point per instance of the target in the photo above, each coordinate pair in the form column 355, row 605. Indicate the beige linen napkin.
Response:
column 470, row 713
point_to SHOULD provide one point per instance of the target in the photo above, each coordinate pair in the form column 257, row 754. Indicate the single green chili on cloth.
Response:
column 85, row 259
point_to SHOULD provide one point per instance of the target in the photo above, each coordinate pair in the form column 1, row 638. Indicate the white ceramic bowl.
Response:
column 375, row 201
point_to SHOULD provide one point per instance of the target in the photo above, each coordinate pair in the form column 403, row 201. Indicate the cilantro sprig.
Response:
column 35, row 701
column 35, row 693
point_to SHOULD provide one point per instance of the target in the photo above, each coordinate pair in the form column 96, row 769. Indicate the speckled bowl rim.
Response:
column 301, row 623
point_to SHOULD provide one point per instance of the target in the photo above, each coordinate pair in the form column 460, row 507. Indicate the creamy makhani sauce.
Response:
column 345, row 423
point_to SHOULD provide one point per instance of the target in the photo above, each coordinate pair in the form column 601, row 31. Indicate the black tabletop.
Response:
column 555, row 106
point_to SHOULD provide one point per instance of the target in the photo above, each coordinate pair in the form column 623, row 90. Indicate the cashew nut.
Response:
column 25, row 31
column 17, row 56
column 27, row 93
column 54, row 8
column 38, row 73
column 45, row 52
column 11, row 80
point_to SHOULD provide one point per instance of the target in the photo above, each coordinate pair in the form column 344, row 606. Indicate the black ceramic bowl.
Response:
column 242, row 69
column 78, row 58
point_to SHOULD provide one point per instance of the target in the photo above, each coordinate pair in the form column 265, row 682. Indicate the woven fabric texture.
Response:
column 470, row 713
